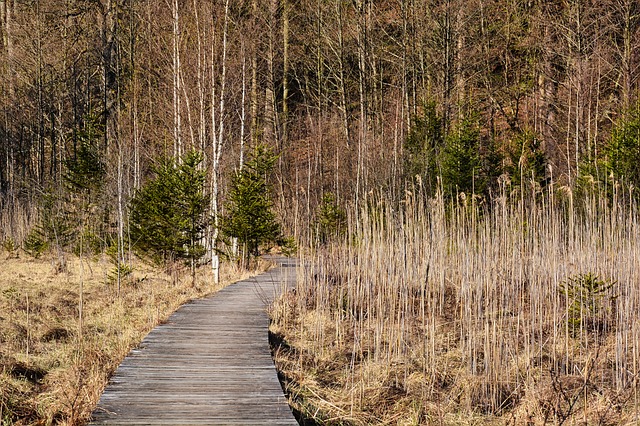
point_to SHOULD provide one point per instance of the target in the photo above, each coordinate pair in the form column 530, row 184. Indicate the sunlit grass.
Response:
column 53, row 368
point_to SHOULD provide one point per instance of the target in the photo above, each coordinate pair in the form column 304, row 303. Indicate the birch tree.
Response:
column 217, row 135
column 177, row 80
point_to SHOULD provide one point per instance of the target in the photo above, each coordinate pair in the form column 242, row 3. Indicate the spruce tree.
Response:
column 169, row 213
column 86, row 169
column 331, row 219
column 461, row 161
column 623, row 151
column 422, row 146
column 72, row 215
column 249, row 210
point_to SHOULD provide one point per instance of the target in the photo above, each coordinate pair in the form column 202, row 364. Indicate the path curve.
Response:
column 210, row 363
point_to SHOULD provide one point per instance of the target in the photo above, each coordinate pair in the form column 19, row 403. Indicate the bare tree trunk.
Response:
column 6, row 15
column 285, row 72
column 362, row 69
column 177, row 142
column 243, row 116
column 343, row 83
column 234, row 248
column 594, row 148
column 626, row 70
column 448, row 63
column 136, row 145
column 109, row 78
column 133, row 114
column 405, row 67
column 6, row 176
column 217, row 144
column 120, row 245
column 39, row 78
column 272, row 122
column 119, row 140
column 548, row 82
column 3, row 24
column 254, row 79
column 200, row 83
column 188, row 109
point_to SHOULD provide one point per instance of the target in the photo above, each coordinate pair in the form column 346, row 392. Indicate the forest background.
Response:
column 351, row 96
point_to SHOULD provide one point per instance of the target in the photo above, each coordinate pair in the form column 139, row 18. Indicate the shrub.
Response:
column 288, row 246
column 35, row 244
column 585, row 294
column 120, row 270
column 331, row 219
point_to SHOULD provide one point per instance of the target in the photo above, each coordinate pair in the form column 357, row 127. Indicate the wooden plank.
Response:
column 210, row 363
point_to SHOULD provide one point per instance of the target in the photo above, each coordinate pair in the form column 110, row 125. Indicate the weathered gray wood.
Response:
column 210, row 363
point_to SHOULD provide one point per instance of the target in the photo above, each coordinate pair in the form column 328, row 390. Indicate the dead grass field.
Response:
column 444, row 312
column 53, row 364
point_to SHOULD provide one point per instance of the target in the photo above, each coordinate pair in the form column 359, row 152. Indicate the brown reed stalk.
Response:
column 460, row 299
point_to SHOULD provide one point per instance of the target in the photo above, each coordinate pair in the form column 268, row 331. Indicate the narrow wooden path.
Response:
column 210, row 363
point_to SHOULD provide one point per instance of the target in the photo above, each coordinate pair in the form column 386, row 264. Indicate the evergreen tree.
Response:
column 169, row 213
column 85, row 197
column 70, row 213
column 86, row 169
column 331, row 219
column 249, row 211
column 422, row 145
column 461, row 162
column 624, row 149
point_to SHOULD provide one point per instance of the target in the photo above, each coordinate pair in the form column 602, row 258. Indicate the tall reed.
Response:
column 484, row 306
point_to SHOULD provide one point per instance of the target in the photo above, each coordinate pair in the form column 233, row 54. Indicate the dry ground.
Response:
column 54, row 363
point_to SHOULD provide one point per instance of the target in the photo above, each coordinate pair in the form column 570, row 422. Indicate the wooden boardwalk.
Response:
column 210, row 363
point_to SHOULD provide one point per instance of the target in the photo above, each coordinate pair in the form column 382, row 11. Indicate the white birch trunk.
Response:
column 177, row 143
column 134, row 101
column 120, row 247
column 285, row 71
column 136, row 137
column 217, row 145
column 188, row 108
column 200, row 83
column 243, row 117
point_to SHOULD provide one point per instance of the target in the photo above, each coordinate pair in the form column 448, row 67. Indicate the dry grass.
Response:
column 449, row 312
column 53, row 367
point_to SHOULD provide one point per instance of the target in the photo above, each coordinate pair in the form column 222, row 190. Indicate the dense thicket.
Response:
column 350, row 95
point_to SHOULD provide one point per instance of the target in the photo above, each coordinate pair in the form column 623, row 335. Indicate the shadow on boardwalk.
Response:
column 210, row 363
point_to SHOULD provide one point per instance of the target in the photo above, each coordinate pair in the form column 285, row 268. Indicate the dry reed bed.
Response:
column 52, row 367
column 449, row 312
